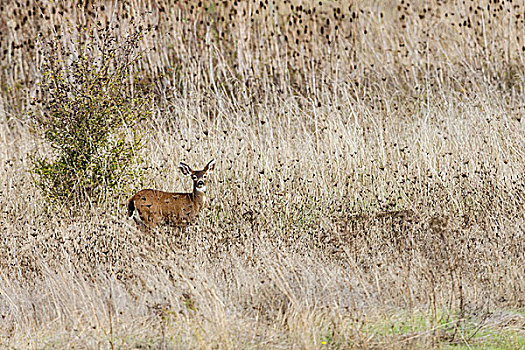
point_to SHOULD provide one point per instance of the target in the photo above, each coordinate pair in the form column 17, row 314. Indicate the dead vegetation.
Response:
column 369, row 169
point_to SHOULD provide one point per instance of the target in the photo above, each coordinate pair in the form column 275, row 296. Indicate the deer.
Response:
column 149, row 208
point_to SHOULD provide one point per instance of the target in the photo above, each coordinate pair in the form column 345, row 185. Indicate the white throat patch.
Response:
column 202, row 189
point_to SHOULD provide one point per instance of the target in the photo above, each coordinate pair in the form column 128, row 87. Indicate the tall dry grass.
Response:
column 370, row 164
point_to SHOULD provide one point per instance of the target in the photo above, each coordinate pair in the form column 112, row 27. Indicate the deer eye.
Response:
column 194, row 177
column 203, row 176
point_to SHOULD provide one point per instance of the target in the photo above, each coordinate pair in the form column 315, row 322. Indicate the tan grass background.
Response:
column 370, row 163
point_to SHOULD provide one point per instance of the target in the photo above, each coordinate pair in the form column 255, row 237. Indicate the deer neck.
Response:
column 199, row 196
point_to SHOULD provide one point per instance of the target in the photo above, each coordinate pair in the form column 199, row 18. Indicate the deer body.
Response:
column 152, row 207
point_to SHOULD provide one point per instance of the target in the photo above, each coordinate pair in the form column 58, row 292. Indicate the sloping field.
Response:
column 368, row 193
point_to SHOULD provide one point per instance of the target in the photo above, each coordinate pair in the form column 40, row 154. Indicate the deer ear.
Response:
column 211, row 165
column 184, row 168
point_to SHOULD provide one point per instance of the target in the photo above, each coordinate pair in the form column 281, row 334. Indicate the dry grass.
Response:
column 369, row 188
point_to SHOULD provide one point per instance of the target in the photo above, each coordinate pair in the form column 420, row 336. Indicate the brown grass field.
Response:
column 368, row 193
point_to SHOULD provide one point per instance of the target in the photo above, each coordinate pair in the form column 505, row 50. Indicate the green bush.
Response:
column 88, row 112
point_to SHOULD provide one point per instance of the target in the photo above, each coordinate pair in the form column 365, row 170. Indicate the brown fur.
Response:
column 156, row 207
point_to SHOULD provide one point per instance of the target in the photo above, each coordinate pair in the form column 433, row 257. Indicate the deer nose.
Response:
column 200, row 183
